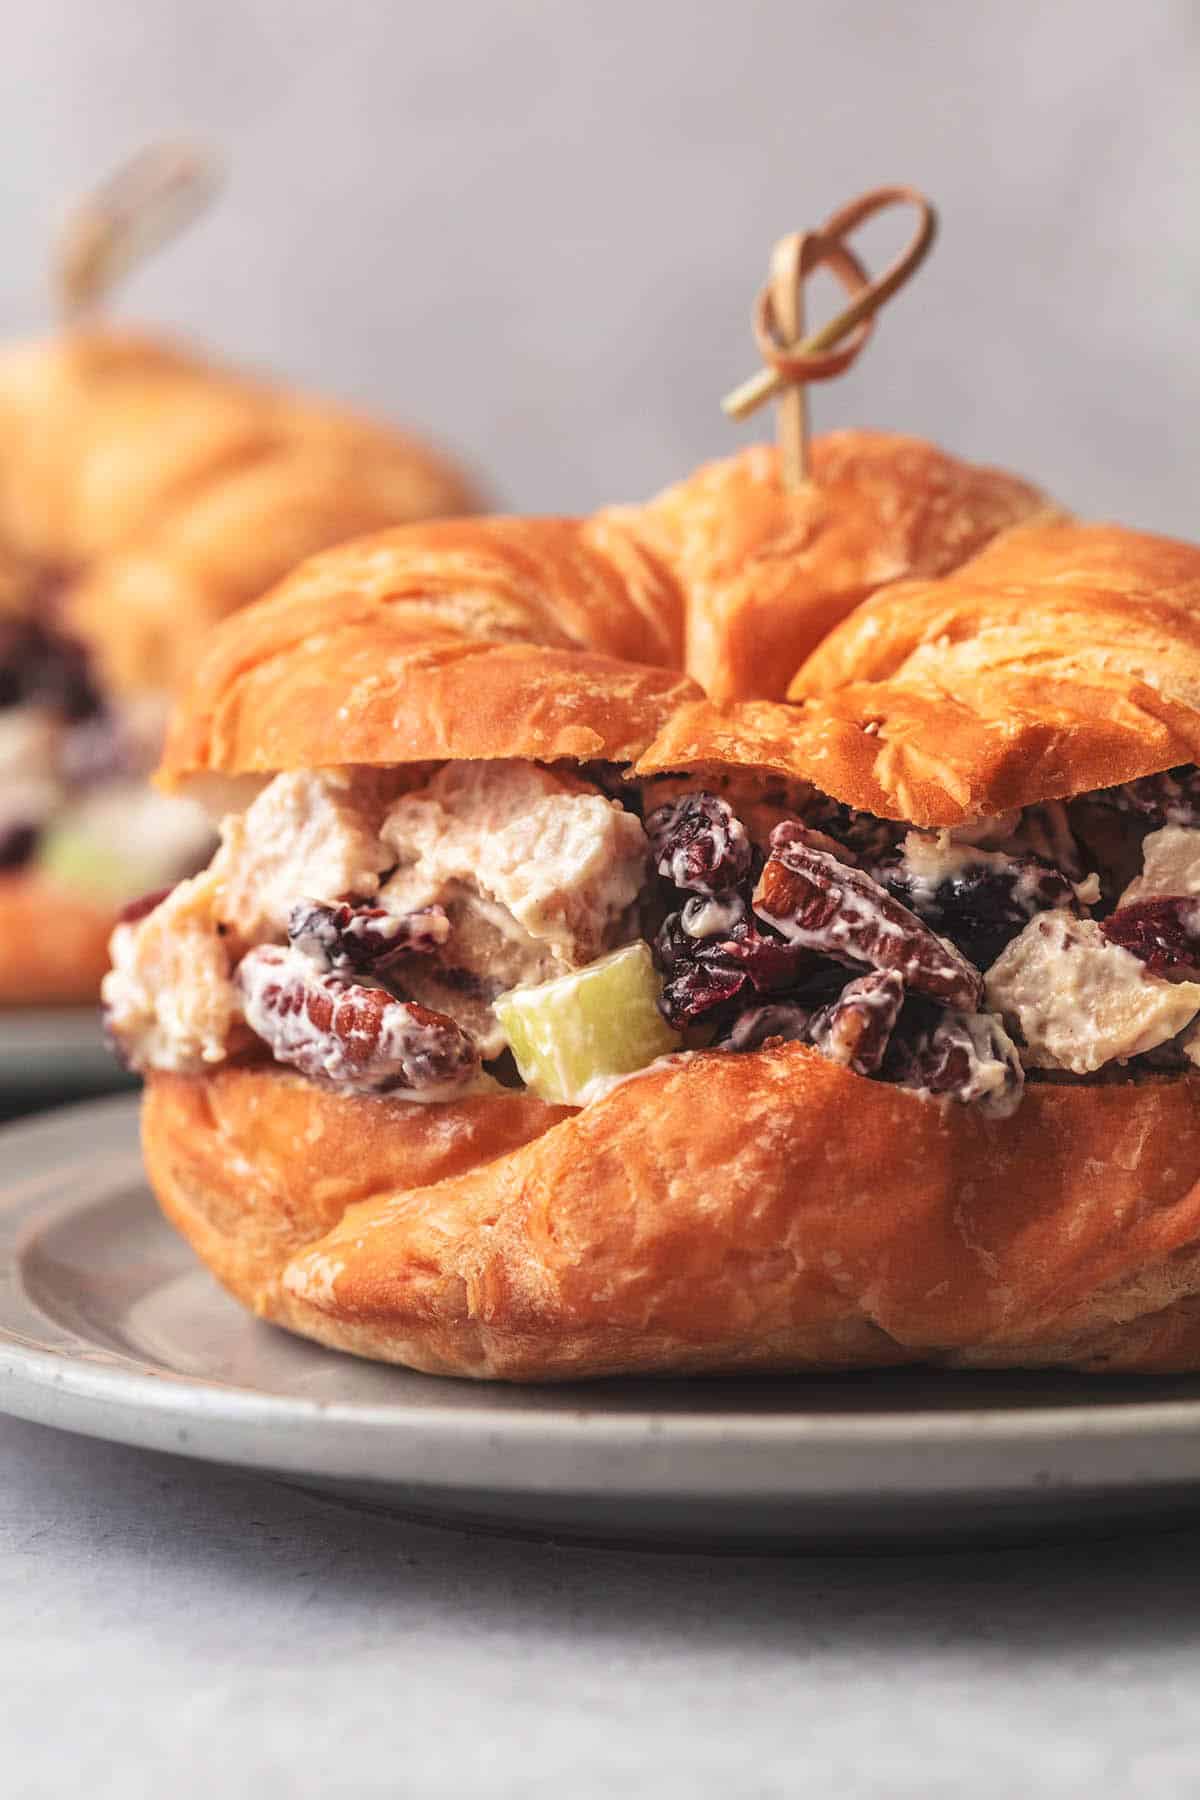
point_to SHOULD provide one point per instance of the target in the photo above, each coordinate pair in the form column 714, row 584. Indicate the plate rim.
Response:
column 59, row 1050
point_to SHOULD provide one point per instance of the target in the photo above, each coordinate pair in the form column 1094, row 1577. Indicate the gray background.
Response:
column 537, row 225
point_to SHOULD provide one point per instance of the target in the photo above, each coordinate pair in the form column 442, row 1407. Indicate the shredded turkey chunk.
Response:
column 308, row 833
column 1079, row 1001
column 1170, row 865
column 168, row 998
column 562, row 860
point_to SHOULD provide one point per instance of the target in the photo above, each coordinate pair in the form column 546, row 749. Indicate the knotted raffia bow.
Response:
column 793, row 360
column 141, row 205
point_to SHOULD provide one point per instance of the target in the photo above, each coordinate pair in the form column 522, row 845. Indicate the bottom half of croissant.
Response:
column 770, row 1211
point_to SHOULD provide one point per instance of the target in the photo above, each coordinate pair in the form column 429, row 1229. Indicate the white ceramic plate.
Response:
column 54, row 1051
column 109, row 1327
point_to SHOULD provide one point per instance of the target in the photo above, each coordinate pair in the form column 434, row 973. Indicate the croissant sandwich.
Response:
column 537, row 1018
column 144, row 493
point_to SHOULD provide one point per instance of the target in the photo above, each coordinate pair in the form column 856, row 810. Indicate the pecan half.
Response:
column 817, row 903
column 349, row 939
column 855, row 1029
column 356, row 1037
column 699, row 843
column 1164, row 934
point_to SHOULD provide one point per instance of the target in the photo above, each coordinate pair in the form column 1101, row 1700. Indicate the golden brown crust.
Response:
column 541, row 638
column 937, row 758
column 221, row 1151
column 1064, row 658
column 727, row 575
column 1060, row 602
column 769, row 572
column 178, row 491
column 53, row 943
column 696, row 1219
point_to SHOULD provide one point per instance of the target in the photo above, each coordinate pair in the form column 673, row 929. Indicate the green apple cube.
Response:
column 72, row 856
column 573, row 1033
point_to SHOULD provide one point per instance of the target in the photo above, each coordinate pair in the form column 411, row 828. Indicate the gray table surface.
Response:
column 172, row 1629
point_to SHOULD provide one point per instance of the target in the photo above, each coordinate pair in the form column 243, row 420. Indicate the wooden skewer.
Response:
column 793, row 361
column 787, row 305
column 142, row 205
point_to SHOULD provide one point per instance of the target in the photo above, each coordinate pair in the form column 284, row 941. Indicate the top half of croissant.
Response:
column 1061, row 658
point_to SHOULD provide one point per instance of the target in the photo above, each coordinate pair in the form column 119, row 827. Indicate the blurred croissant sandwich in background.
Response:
column 145, row 492
column 540, row 1018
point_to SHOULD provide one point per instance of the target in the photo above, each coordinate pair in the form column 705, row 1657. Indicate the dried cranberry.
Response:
column 818, row 903
column 17, row 845
column 351, row 939
column 983, row 905
column 1164, row 934
column 967, row 1057
column 698, row 989
column 871, row 839
column 699, row 843
column 704, row 972
column 1170, row 798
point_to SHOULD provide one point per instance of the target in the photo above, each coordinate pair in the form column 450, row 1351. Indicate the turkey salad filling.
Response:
column 75, row 804
column 430, row 932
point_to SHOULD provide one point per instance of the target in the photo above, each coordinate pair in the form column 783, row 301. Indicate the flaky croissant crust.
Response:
column 173, row 491
column 727, row 574
column 554, row 638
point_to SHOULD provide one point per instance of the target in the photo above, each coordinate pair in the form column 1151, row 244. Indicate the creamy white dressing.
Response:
column 706, row 916
column 931, row 859
column 544, row 872
column 539, row 872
